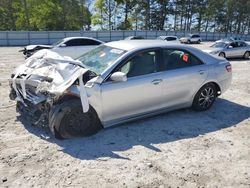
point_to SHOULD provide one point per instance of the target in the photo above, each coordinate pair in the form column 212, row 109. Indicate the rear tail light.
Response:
column 229, row 68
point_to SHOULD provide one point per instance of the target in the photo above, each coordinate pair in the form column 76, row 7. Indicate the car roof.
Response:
column 70, row 38
column 128, row 45
column 165, row 36
column 228, row 41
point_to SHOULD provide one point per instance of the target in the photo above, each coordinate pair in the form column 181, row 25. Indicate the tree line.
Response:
column 231, row 16
column 44, row 15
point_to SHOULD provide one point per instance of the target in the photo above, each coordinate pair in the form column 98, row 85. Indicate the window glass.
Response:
column 175, row 59
column 242, row 44
column 170, row 38
column 219, row 45
column 57, row 43
column 234, row 44
column 100, row 58
column 195, row 36
column 72, row 42
column 141, row 64
column 83, row 42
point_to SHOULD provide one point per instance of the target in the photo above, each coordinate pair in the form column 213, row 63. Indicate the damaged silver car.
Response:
column 114, row 83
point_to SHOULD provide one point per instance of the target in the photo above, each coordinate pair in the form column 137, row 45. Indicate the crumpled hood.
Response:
column 48, row 72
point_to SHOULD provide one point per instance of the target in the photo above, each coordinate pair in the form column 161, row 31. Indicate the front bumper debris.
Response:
column 42, row 81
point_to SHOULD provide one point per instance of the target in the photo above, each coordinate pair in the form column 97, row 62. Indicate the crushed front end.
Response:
column 43, row 81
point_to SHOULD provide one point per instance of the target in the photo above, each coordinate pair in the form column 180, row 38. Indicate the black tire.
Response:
column 67, row 120
column 246, row 55
column 222, row 54
column 189, row 42
column 205, row 97
column 199, row 41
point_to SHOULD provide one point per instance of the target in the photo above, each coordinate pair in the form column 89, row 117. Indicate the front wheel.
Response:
column 68, row 120
column 222, row 54
column 246, row 55
column 204, row 98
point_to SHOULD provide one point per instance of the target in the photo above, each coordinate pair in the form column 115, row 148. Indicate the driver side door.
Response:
column 231, row 50
column 140, row 94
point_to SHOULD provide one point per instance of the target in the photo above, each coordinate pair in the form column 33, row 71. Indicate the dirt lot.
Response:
column 177, row 149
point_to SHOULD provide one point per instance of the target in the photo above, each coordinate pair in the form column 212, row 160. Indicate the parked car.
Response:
column 31, row 49
column 115, row 83
column 169, row 38
column 228, row 39
column 134, row 38
column 192, row 38
column 233, row 49
column 70, row 46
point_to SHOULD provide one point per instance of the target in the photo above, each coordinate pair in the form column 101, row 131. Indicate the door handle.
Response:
column 201, row 72
column 156, row 81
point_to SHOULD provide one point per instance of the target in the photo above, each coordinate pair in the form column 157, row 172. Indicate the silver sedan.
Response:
column 117, row 82
column 230, row 49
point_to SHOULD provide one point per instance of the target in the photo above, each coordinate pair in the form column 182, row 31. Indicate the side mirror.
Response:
column 62, row 45
column 118, row 77
column 230, row 47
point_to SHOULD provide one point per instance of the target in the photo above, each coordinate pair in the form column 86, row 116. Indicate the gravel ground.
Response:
column 177, row 149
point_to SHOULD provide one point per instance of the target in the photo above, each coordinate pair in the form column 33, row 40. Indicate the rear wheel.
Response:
column 205, row 97
column 246, row 55
column 199, row 41
column 70, row 121
column 222, row 54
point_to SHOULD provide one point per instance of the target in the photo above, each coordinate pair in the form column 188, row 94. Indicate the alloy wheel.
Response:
column 206, row 97
column 246, row 55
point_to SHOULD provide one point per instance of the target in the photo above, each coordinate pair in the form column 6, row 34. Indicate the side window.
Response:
column 73, row 42
column 175, row 59
column 141, row 64
column 195, row 36
column 242, row 44
column 234, row 44
column 83, row 42
column 170, row 38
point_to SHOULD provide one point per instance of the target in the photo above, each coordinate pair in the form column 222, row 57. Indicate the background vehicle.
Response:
column 134, row 38
column 230, row 49
column 229, row 39
column 31, row 49
column 70, row 46
column 192, row 38
column 169, row 38
column 124, row 80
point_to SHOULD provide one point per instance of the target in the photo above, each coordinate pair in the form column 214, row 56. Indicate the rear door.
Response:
column 232, row 49
column 183, row 75
column 241, row 49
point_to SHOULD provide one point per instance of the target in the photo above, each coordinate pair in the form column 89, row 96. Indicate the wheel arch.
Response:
column 217, row 86
column 246, row 52
column 55, row 111
column 196, row 99
column 222, row 52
